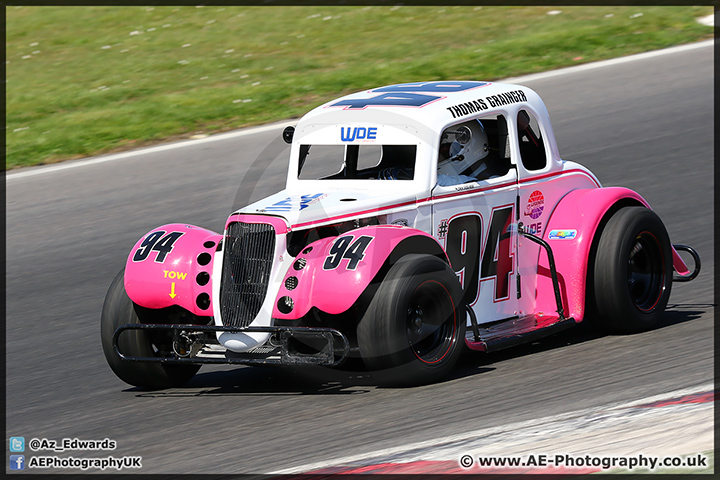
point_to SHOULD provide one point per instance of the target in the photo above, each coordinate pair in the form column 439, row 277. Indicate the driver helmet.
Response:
column 462, row 149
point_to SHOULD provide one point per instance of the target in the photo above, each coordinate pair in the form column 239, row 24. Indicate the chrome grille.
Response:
column 247, row 261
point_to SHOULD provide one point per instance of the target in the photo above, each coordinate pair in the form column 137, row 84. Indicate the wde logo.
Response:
column 535, row 205
column 351, row 134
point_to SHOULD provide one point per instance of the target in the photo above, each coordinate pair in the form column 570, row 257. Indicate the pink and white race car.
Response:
column 417, row 219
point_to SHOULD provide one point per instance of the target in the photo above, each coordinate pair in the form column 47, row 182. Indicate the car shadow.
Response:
column 676, row 313
column 472, row 363
column 353, row 379
column 270, row 381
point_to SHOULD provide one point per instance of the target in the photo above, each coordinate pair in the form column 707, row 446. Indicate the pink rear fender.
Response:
column 570, row 232
column 172, row 265
column 331, row 273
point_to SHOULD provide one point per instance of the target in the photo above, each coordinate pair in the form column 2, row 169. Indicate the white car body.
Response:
column 421, row 203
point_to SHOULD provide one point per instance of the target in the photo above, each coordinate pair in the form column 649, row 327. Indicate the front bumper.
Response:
column 196, row 344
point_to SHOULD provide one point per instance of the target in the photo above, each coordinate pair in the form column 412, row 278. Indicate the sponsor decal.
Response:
column 481, row 104
column 535, row 205
column 534, row 228
column 295, row 202
column 352, row 134
column 566, row 234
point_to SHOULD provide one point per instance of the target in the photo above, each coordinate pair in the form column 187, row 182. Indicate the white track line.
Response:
column 708, row 21
column 611, row 62
column 444, row 442
column 33, row 171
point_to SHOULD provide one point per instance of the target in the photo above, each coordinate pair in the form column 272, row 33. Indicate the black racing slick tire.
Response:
column 119, row 310
column 632, row 271
column 413, row 331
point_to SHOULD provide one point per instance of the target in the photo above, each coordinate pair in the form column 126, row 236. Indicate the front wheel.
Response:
column 632, row 271
column 414, row 328
column 119, row 310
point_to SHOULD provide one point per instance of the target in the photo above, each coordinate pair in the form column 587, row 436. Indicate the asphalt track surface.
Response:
column 645, row 124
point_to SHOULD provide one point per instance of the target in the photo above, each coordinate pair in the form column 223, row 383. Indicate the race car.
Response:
column 417, row 220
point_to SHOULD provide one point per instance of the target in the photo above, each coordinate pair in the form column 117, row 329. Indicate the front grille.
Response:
column 247, row 262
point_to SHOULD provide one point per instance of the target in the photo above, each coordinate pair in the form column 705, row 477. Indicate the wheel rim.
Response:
column 646, row 272
column 431, row 324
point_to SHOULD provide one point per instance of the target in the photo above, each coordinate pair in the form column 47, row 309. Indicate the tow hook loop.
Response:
column 696, row 259
column 182, row 345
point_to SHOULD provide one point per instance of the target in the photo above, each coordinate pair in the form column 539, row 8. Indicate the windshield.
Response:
column 357, row 162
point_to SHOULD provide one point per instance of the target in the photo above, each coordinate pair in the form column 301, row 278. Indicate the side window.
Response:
column 532, row 146
column 474, row 150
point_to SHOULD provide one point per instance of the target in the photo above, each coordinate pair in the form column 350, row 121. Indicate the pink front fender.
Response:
column 570, row 232
column 172, row 265
column 331, row 273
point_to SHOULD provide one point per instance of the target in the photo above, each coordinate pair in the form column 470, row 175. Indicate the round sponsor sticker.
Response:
column 535, row 205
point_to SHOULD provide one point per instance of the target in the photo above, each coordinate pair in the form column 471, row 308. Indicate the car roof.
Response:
column 426, row 106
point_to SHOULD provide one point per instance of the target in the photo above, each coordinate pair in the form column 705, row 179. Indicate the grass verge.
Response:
column 89, row 80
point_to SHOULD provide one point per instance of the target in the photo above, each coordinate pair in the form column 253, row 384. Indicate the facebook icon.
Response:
column 17, row 462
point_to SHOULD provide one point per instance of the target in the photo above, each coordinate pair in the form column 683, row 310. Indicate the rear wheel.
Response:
column 119, row 310
column 414, row 328
column 632, row 271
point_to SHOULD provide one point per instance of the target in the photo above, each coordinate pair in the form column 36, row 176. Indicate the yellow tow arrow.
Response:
column 172, row 290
